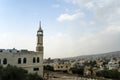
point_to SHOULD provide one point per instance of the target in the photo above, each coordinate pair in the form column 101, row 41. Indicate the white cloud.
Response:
column 101, row 9
column 101, row 31
column 90, row 3
column 104, row 11
column 109, row 13
column 56, row 6
column 63, row 45
column 113, row 28
column 70, row 17
column 104, row 41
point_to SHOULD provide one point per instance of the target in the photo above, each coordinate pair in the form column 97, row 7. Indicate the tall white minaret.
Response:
column 39, row 47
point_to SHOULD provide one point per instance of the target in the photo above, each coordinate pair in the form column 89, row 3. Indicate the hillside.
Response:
column 115, row 54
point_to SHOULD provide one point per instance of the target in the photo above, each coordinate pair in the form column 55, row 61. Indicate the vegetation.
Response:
column 15, row 73
column 79, row 71
column 114, row 74
column 49, row 68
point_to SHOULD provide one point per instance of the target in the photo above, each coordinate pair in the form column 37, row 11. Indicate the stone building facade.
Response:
column 62, row 66
column 32, row 61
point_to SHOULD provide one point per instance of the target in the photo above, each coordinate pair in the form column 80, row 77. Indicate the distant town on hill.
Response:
column 104, row 66
column 115, row 54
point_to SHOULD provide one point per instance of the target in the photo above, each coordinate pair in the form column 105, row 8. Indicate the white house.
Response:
column 113, row 64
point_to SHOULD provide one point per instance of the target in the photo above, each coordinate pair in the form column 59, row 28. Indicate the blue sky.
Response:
column 71, row 27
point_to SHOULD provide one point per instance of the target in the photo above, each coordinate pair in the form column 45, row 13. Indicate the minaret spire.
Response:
column 40, row 25
column 40, row 29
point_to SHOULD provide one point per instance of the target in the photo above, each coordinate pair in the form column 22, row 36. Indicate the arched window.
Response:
column 38, row 60
column 19, row 60
column 34, row 61
column 4, row 61
column 24, row 60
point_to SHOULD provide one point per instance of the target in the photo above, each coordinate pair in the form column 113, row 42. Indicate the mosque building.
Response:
column 32, row 61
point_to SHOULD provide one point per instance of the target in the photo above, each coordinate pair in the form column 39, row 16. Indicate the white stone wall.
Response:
column 12, row 59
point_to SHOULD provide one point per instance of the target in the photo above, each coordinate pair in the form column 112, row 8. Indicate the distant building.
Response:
column 61, row 66
column 87, row 71
column 32, row 61
column 113, row 64
column 77, row 63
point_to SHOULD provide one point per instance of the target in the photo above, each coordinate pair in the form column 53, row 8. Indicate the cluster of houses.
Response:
column 88, row 69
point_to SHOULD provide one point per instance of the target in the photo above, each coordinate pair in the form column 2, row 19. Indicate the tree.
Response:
column 114, row 74
column 77, row 71
column 33, row 77
column 12, row 73
column 48, row 67
column 16, row 73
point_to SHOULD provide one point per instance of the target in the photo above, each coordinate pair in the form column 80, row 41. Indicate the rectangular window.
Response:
column 35, row 69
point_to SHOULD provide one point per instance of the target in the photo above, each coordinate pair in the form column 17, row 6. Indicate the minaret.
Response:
column 39, row 47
